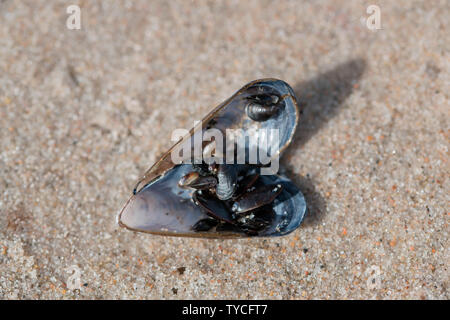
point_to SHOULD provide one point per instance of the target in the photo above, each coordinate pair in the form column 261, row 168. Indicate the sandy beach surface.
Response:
column 83, row 114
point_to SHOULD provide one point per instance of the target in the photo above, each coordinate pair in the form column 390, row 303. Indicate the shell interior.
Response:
column 162, row 207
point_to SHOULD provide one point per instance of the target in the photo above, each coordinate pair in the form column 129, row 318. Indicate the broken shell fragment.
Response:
column 224, row 200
